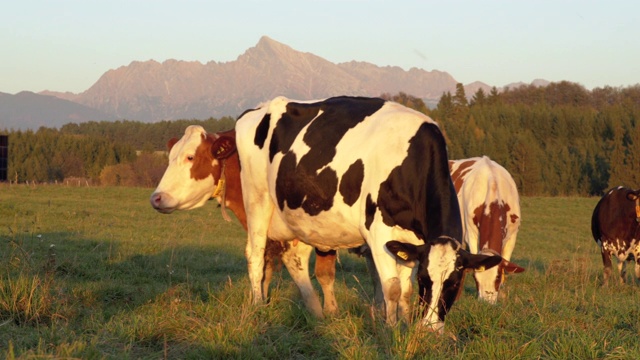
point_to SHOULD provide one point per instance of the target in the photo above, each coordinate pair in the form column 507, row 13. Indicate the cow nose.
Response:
column 156, row 199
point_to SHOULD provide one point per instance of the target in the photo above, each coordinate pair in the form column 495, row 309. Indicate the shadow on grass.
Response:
column 132, row 295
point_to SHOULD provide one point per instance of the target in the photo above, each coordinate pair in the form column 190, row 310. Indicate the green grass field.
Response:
column 96, row 273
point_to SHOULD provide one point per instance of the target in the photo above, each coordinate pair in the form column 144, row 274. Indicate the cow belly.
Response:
column 622, row 249
column 325, row 231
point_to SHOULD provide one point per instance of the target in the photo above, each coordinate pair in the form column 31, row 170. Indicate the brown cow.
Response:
column 490, row 212
column 202, row 166
column 615, row 226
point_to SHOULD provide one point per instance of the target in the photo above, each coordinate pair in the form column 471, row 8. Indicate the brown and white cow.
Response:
column 615, row 226
column 345, row 171
column 490, row 212
column 204, row 165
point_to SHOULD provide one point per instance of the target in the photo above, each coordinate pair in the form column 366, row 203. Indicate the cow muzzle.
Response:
column 160, row 202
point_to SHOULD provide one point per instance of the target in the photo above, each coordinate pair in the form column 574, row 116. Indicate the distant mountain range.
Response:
column 151, row 91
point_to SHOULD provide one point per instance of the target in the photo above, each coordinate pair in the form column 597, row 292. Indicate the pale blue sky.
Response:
column 66, row 45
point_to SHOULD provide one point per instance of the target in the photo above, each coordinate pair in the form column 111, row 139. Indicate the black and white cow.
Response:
column 615, row 226
column 345, row 171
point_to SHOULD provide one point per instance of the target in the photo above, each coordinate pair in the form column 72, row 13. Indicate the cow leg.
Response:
column 387, row 271
column 365, row 252
column 375, row 278
column 296, row 259
column 268, row 274
column 405, row 273
column 272, row 258
column 254, row 252
column 606, row 261
column 326, row 274
column 637, row 267
column 622, row 269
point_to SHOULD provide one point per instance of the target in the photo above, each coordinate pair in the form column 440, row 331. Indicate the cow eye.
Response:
column 190, row 157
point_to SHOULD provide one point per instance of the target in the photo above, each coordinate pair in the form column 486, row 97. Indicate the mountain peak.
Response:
column 268, row 47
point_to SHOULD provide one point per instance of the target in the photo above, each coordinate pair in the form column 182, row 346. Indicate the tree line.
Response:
column 558, row 140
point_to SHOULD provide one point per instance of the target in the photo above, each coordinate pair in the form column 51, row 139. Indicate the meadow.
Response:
column 96, row 273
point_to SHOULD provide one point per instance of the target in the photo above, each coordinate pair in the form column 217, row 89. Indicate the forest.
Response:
column 556, row 140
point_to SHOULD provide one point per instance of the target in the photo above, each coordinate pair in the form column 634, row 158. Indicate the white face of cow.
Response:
column 441, row 266
column 188, row 181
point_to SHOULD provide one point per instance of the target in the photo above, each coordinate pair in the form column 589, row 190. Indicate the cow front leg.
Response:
column 389, row 282
column 255, row 262
column 296, row 259
column 325, row 271
column 405, row 274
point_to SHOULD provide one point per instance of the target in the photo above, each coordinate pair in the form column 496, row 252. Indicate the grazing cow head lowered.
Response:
column 196, row 167
column 490, row 212
column 441, row 266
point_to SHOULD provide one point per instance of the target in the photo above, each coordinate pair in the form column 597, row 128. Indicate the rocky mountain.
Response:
column 27, row 110
column 153, row 91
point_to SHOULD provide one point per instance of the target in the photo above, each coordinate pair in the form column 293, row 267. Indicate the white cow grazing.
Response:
column 490, row 212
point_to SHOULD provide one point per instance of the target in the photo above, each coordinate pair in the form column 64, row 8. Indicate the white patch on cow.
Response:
column 177, row 190
column 442, row 259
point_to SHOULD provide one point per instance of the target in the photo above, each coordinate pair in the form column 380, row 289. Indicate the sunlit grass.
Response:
column 96, row 273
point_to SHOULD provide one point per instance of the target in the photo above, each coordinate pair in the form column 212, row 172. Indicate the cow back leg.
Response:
column 622, row 269
column 296, row 260
column 606, row 262
column 272, row 262
column 637, row 265
column 325, row 271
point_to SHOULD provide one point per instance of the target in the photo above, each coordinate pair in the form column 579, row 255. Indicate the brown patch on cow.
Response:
column 492, row 225
column 171, row 142
column 458, row 176
column 514, row 218
column 201, row 167
column 273, row 253
column 325, row 269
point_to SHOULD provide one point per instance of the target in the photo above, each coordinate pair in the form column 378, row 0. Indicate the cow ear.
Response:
column 223, row 147
column 404, row 251
column 511, row 267
column 632, row 196
column 171, row 142
column 478, row 261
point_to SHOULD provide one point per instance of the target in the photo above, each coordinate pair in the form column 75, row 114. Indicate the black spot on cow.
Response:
column 262, row 131
column 314, row 193
column 302, row 185
column 351, row 183
column 370, row 211
column 289, row 126
column 411, row 198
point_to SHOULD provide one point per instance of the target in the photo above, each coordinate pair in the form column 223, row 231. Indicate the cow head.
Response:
column 441, row 267
column 489, row 281
column 194, row 170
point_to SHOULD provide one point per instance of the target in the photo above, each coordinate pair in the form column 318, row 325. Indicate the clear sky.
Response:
column 66, row 45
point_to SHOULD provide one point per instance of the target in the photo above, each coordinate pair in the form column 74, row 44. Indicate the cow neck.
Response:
column 221, row 190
